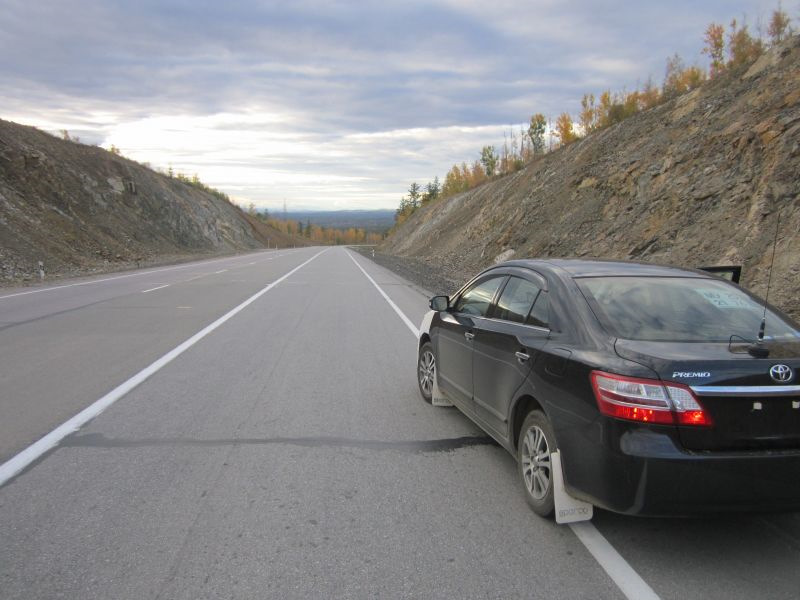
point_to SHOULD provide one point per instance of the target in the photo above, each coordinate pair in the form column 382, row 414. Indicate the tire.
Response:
column 426, row 371
column 536, row 442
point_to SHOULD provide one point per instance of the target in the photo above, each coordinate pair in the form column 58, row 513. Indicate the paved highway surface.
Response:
column 284, row 452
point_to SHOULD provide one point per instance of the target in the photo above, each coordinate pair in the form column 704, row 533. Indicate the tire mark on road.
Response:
column 98, row 440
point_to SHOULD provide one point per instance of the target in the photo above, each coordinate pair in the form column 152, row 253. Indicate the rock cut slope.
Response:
column 699, row 180
column 79, row 208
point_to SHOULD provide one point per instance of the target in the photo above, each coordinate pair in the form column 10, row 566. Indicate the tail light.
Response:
column 647, row 400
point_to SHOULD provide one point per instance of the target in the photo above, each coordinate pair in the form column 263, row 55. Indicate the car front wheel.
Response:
column 536, row 442
column 426, row 371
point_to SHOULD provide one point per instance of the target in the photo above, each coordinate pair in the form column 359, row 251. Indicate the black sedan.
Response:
column 650, row 381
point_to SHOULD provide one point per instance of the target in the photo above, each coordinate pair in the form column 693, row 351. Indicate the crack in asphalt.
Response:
column 98, row 440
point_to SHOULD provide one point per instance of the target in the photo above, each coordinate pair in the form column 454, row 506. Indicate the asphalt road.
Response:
column 285, row 453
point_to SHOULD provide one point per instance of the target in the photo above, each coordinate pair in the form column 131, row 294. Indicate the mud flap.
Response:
column 568, row 509
column 437, row 397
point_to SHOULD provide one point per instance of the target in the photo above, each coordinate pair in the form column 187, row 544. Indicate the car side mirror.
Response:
column 440, row 303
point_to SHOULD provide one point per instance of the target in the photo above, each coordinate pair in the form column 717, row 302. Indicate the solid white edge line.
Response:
column 160, row 287
column 16, row 464
column 399, row 312
column 628, row 581
column 616, row 567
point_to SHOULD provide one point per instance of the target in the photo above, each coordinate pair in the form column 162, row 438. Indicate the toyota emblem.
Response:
column 781, row 373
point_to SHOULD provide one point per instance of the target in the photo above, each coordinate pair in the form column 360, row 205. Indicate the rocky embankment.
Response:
column 699, row 180
column 80, row 209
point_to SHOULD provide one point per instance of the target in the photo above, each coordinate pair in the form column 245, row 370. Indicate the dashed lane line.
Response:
column 16, row 464
column 94, row 281
column 160, row 287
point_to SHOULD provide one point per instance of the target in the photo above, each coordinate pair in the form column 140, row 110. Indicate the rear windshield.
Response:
column 679, row 310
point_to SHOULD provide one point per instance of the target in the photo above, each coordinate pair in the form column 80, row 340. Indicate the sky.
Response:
column 330, row 105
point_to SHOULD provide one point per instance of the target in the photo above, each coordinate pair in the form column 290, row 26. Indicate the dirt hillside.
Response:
column 79, row 209
column 699, row 180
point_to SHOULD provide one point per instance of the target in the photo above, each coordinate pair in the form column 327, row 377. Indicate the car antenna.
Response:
column 758, row 349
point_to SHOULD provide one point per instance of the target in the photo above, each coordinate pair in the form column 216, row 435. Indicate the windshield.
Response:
column 679, row 310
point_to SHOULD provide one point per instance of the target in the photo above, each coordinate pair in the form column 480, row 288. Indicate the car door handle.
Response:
column 469, row 335
column 522, row 357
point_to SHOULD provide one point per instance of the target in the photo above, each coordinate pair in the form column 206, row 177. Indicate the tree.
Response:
column 650, row 95
column 693, row 77
column 489, row 160
column 114, row 150
column 588, row 116
column 536, row 133
column 603, row 110
column 454, row 182
column 778, row 25
column 414, row 195
column 715, row 48
column 742, row 47
column 404, row 210
column 564, row 129
column 680, row 79
column 631, row 103
column 672, row 79
column 432, row 190
column 477, row 174
column 251, row 209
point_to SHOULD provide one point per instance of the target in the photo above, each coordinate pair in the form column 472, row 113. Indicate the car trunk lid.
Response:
column 751, row 409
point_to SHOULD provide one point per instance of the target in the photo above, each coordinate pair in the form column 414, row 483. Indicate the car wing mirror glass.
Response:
column 440, row 303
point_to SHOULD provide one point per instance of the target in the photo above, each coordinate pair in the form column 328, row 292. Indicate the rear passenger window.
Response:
column 516, row 300
column 540, row 313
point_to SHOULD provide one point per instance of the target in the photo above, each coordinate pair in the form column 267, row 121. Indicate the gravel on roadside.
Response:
column 432, row 279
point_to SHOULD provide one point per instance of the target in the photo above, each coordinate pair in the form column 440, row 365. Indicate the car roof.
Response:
column 604, row 268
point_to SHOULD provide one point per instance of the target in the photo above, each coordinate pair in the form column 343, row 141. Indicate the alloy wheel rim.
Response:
column 427, row 368
column 536, row 462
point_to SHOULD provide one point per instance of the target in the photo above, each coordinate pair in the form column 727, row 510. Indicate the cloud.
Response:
column 326, row 103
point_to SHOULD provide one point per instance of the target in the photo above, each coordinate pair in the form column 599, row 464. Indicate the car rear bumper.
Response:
column 644, row 472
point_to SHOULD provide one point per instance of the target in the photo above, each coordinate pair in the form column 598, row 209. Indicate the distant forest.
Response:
column 372, row 221
column 330, row 227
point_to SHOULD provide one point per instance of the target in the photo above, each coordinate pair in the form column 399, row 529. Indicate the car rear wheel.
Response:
column 536, row 442
column 426, row 371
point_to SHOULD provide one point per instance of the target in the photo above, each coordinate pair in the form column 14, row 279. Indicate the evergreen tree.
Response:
column 536, row 133
column 489, row 160
column 414, row 195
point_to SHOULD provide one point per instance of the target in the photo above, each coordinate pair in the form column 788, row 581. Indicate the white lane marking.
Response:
column 16, row 464
column 399, row 312
column 195, row 277
column 220, row 271
column 628, row 581
column 251, row 263
column 161, row 287
column 69, row 285
column 621, row 573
